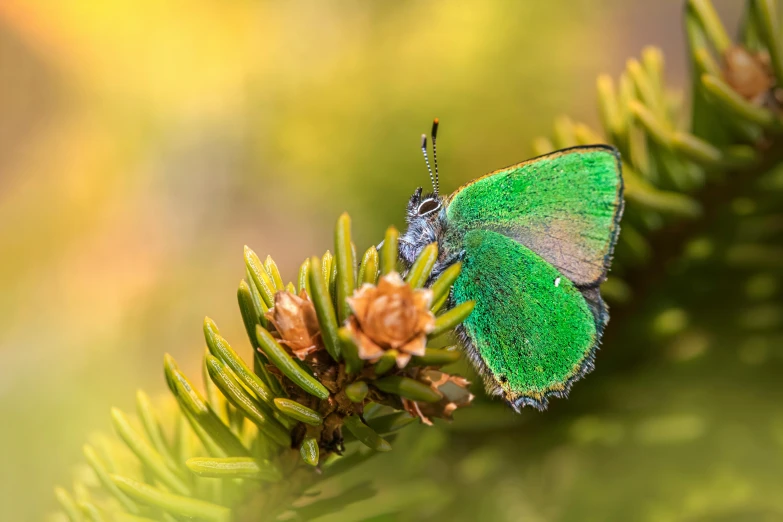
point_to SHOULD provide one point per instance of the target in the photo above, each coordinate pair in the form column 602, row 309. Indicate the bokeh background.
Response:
column 143, row 143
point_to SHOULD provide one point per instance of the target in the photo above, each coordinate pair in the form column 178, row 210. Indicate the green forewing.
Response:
column 564, row 206
column 531, row 330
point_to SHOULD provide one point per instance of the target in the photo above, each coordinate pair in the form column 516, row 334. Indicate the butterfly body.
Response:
column 535, row 241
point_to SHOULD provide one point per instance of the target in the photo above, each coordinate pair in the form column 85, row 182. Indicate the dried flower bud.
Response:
column 453, row 388
column 391, row 316
column 748, row 74
column 294, row 319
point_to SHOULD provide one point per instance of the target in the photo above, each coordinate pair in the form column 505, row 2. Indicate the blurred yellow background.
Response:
column 143, row 143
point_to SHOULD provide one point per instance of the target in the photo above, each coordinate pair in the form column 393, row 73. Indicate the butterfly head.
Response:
column 423, row 206
column 424, row 224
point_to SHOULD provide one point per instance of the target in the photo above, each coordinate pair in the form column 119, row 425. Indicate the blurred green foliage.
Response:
column 145, row 142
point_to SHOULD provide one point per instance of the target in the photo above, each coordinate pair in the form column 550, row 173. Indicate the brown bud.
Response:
column 748, row 74
column 453, row 388
column 294, row 319
column 391, row 316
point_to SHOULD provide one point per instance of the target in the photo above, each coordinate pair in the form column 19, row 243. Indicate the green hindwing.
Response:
column 532, row 332
column 565, row 206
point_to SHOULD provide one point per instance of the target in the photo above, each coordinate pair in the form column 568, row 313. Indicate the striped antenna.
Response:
column 435, row 154
column 427, row 161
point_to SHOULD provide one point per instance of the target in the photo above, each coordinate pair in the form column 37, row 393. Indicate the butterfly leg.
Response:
column 443, row 264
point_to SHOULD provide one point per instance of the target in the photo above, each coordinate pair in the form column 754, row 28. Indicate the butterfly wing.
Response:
column 532, row 333
column 565, row 206
column 537, row 240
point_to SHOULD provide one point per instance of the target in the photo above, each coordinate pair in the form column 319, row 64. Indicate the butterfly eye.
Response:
column 428, row 206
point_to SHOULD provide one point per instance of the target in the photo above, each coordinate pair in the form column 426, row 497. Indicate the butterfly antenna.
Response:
column 427, row 161
column 435, row 154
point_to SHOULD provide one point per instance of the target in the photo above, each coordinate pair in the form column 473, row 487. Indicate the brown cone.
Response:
column 391, row 316
column 295, row 320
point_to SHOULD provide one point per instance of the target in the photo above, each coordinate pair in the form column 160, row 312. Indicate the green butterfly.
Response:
column 535, row 241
